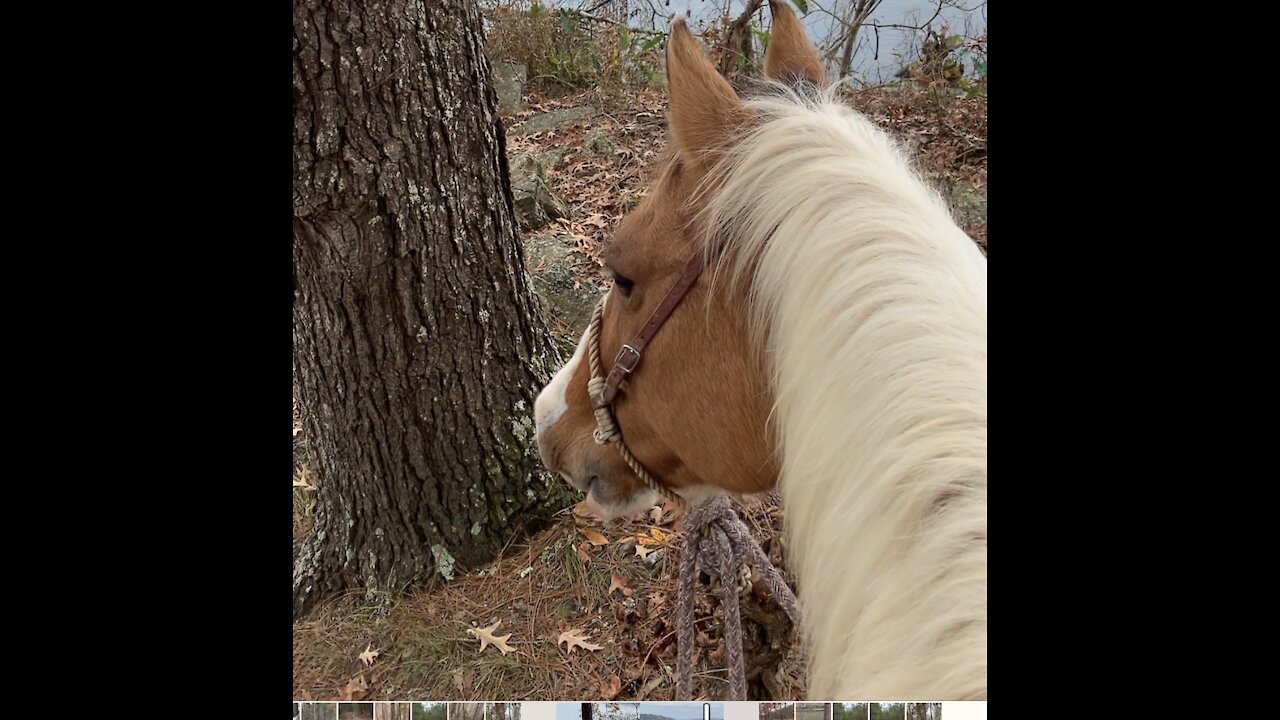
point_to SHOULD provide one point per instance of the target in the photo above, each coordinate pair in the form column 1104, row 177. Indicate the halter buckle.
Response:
column 633, row 357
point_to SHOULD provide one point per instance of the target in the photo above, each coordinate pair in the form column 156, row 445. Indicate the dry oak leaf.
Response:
column 368, row 655
column 575, row 638
column 304, row 474
column 655, row 536
column 355, row 689
column 583, row 555
column 611, row 689
column 656, row 601
column 619, row 583
column 595, row 537
column 486, row 637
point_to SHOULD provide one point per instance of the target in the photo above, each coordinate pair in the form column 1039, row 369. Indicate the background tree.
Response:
column 430, row 711
column 850, row 711
column 418, row 345
column 355, row 711
column 888, row 711
column 466, row 711
column 391, row 711
column 319, row 711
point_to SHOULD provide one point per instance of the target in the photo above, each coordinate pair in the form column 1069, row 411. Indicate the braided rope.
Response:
column 607, row 430
column 718, row 536
column 713, row 533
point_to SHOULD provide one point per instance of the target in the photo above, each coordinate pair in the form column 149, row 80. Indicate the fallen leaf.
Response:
column 368, row 655
column 611, row 689
column 486, row 636
column 656, row 601
column 643, row 551
column 655, row 536
column 304, row 475
column 717, row 655
column 595, row 537
column 583, row 555
column 355, row 689
column 575, row 638
column 654, row 682
column 620, row 583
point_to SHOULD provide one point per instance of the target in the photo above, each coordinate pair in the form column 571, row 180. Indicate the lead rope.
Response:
column 712, row 529
column 717, row 536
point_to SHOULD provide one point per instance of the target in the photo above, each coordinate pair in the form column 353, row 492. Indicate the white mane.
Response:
column 872, row 307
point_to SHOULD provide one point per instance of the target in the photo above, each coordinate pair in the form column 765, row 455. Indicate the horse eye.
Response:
column 624, row 284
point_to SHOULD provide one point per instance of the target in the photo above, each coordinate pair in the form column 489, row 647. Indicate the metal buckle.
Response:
column 634, row 357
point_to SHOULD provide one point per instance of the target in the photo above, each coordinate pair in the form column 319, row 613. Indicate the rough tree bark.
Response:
column 418, row 344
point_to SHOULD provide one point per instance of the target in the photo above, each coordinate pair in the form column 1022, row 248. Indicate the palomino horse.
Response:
column 836, row 347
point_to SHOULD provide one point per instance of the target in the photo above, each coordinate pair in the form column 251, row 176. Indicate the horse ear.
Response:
column 791, row 56
column 705, row 111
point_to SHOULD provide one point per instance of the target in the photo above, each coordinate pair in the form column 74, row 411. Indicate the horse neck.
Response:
column 873, row 304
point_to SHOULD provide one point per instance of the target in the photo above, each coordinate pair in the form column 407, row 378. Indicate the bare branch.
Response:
column 737, row 42
column 610, row 21
column 921, row 26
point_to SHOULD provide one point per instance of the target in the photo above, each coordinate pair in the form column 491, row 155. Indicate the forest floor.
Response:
column 614, row 583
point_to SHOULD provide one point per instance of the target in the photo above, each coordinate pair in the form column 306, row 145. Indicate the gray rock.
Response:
column 968, row 206
column 509, row 81
column 550, row 260
column 536, row 204
column 599, row 143
column 554, row 119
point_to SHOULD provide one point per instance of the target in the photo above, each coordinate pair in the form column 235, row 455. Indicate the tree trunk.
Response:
column 859, row 11
column 391, row 711
column 418, row 344
column 737, row 48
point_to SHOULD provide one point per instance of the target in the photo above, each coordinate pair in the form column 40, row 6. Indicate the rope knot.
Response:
column 606, row 427
column 719, row 541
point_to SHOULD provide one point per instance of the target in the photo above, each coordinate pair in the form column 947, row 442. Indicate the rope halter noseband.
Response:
column 603, row 389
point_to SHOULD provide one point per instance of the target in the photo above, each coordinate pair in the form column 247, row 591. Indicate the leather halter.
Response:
column 603, row 390
column 628, row 357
